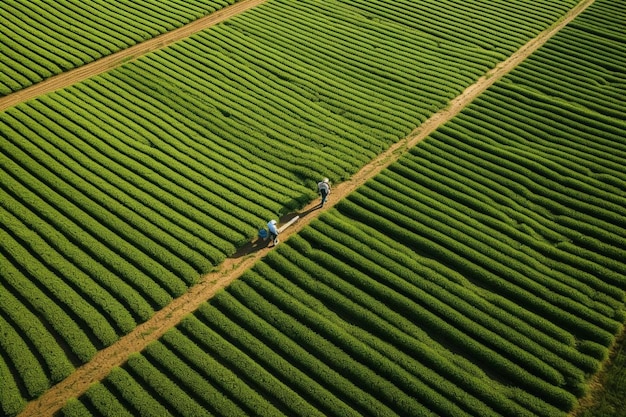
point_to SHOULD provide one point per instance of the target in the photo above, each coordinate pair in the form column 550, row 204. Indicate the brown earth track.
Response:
column 115, row 355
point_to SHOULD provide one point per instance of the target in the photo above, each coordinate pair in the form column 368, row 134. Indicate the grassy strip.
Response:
column 173, row 397
column 293, row 351
column 100, row 401
column 404, row 280
column 229, row 392
column 344, row 357
column 136, row 394
column 437, row 378
column 608, row 399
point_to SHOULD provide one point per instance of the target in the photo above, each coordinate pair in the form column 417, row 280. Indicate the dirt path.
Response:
column 99, row 367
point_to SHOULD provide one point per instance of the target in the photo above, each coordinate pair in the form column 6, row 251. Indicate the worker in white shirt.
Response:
column 271, row 226
column 323, row 187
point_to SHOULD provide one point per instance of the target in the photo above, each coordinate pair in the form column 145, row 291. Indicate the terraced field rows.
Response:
column 482, row 274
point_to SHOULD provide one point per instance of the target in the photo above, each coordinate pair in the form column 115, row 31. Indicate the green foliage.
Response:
column 75, row 408
column 381, row 392
column 74, row 278
column 104, row 402
column 402, row 274
column 493, row 352
column 11, row 400
column 55, row 362
column 61, row 292
column 46, row 306
column 52, row 39
column 216, row 361
column 174, row 397
column 202, row 377
column 480, row 275
column 292, row 387
column 375, row 323
column 609, row 399
column 30, row 374
column 126, row 386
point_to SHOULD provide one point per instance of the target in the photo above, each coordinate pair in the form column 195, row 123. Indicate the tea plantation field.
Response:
column 482, row 274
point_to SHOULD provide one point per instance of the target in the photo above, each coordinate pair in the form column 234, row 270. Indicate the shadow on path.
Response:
column 260, row 244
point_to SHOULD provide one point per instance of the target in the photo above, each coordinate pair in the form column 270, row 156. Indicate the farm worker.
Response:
column 271, row 226
column 323, row 187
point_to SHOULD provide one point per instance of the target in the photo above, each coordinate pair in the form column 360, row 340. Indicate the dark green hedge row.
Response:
column 53, row 192
column 96, row 203
column 557, row 230
column 65, row 234
column 125, row 167
column 441, row 187
column 212, row 359
column 479, row 268
column 32, row 329
column 250, row 385
column 398, row 277
column 125, row 147
column 330, row 346
column 255, row 125
column 94, row 282
column 89, row 307
column 452, row 324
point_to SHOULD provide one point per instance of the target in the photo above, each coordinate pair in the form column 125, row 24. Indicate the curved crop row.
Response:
column 71, row 215
column 77, row 185
column 126, row 389
column 46, row 302
column 126, row 162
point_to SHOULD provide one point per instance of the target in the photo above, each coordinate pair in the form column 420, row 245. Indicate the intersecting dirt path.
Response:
column 115, row 355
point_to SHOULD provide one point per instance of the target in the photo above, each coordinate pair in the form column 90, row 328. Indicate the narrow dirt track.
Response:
column 99, row 367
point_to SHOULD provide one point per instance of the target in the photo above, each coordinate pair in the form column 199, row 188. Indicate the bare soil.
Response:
column 115, row 355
